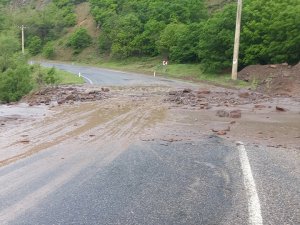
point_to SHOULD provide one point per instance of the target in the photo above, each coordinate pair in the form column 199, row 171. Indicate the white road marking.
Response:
column 91, row 82
column 254, row 209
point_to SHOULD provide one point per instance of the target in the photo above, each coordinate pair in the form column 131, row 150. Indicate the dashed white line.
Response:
column 254, row 209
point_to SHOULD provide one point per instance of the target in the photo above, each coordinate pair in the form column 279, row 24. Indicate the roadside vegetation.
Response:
column 17, row 77
column 184, row 31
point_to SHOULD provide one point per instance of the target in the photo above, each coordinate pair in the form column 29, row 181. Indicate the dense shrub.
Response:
column 44, row 76
column 15, row 83
column 49, row 50
column 51, row 77
column 79, row 40
column 8, row 47
column 34, row 45
column 270, row 34
column 216, row 40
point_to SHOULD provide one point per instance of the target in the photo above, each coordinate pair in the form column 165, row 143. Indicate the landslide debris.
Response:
column 275, row 80
column 66, row 95
column 206, row 99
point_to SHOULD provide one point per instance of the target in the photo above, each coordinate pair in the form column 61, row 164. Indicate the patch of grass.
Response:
column 66, row 77
column 69, row 78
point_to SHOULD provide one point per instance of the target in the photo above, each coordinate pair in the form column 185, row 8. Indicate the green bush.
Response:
column 8, row 47
column 51, row 77
column 79, row 40
column 49, row 50
column 45, row 76
column 34, row 45
column 15, row 83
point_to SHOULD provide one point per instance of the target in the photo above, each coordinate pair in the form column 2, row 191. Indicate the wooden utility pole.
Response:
column 237, row 40
column 23, row 41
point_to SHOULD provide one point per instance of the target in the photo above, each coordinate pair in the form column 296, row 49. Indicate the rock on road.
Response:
column 133, row 158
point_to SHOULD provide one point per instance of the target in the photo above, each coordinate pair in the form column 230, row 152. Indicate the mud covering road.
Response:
column 149, row 154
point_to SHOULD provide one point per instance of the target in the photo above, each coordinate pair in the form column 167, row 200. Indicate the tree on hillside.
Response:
column 80, row 40
column 133, row 28
column 8, row 47
column 216, row 40
column 270, row 34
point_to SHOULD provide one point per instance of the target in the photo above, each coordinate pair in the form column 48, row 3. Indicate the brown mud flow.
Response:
column 93, row 117
column 90, row 123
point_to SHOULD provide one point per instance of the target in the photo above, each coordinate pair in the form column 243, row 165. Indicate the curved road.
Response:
column 107, row 77
column 91, row 166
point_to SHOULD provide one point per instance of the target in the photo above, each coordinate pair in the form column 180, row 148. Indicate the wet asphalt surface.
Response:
column 156, row 182
column 107, row 77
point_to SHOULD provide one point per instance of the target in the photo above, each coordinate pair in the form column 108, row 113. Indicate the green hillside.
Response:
column 199, row 31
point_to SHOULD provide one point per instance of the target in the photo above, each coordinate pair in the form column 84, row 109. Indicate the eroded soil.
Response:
column 80, row 118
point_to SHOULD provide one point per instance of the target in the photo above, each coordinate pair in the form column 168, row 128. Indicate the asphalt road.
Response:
column 207, row 180
column 107, row 77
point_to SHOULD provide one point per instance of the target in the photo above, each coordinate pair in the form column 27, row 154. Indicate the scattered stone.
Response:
column 222, row 113
column 147, row 139
column 232, row 122
column 187, row 90
column 205, row 92
column 273, row 66
column 220, row 128
column 235, row 114
column 105, row 89
column 61, row 101
column 221, row 132
column 244, row 94
column 260, row 106
column 172, row 92
column 281, row 109
column 204, row 104
column 70, row 97
column 171, row 139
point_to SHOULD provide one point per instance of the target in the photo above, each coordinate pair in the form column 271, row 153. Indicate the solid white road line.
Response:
column 255, row 217
column 91, row 82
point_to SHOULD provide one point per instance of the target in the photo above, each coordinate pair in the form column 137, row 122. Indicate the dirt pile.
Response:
column 66, row 95
column 279, row 79
column 206, row 99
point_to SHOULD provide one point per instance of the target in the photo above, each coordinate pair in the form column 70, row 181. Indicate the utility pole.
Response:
column 237, row 40
column 23, row 41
